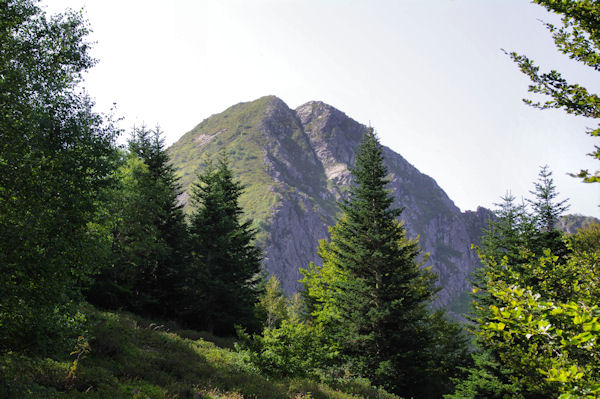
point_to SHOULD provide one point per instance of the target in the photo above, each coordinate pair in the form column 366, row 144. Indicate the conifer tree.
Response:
column 225, row 265
column 148, row 232
column 504, row 242
column 506, row 236
column 133, row 236
column 517, row 234
column 371, row 293
column 169, row 219
column 545, row 206
column 546, row 212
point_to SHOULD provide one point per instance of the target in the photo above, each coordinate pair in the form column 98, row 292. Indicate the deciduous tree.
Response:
column 56, row 155
column 578, row 37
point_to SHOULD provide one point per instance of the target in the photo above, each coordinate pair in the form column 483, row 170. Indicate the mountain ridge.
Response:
column 296, row 165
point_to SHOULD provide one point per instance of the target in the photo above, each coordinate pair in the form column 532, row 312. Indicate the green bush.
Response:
column 293, row 349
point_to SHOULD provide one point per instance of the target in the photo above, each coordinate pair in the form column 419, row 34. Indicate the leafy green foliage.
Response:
column 293, row 349
column 587, row 239
column 548, row 333
column 272, row 305
column 533, row 295
column 225, row 266
column 56, row 156
column 579, row 38
column 134, row 239
column 288, row 344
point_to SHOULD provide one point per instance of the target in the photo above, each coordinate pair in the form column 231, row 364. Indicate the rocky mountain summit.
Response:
column 296, row 164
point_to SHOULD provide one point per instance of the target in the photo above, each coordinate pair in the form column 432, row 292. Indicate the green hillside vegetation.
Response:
column 235, row 133
column 127, row 357
column 241, row 134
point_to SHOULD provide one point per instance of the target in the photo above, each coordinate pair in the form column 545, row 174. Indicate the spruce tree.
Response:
column 505, row 241
column 516, row 234
column 169, row 219
column 148, row 232
column 225, row 265
column 546, row 211
column 545, row 206
column 371, row 293
column 506, row 236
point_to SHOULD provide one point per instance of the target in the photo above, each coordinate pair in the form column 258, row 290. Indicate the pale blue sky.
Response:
column 429, row 75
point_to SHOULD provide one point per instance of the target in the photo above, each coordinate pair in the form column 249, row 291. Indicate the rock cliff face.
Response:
column 295, row 164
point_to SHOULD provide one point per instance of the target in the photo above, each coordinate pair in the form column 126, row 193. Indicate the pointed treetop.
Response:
column 546, row 208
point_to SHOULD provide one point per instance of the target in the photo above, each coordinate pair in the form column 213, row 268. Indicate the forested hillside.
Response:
column 274, row 253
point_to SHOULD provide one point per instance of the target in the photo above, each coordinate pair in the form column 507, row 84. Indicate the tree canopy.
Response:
column 579, row 38
column 56, row 155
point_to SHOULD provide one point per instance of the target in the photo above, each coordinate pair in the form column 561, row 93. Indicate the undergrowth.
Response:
column 125, row 356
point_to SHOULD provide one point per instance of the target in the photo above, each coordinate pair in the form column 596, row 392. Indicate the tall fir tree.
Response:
column 225, row 268
column 505, row 237
column 503, row 242
column 545, row 206
column 546, row 210
column 169, row 221
column 148, row 231
column 371, row 292
column 516, row 234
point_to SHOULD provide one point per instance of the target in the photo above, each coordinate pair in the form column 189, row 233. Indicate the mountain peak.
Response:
column 295, row 164
column 319, row 110
column 334, row 135
column 269, row 102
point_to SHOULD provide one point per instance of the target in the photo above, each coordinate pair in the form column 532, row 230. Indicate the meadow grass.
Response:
column 131, row 357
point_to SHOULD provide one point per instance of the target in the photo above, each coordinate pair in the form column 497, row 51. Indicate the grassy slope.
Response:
column 133, row 358
column 240, row 133
column 236, row 133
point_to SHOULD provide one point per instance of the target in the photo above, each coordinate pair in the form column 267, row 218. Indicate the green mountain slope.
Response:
column 236, row 133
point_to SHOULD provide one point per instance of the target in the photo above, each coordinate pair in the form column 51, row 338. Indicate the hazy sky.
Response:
column 428, row 75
